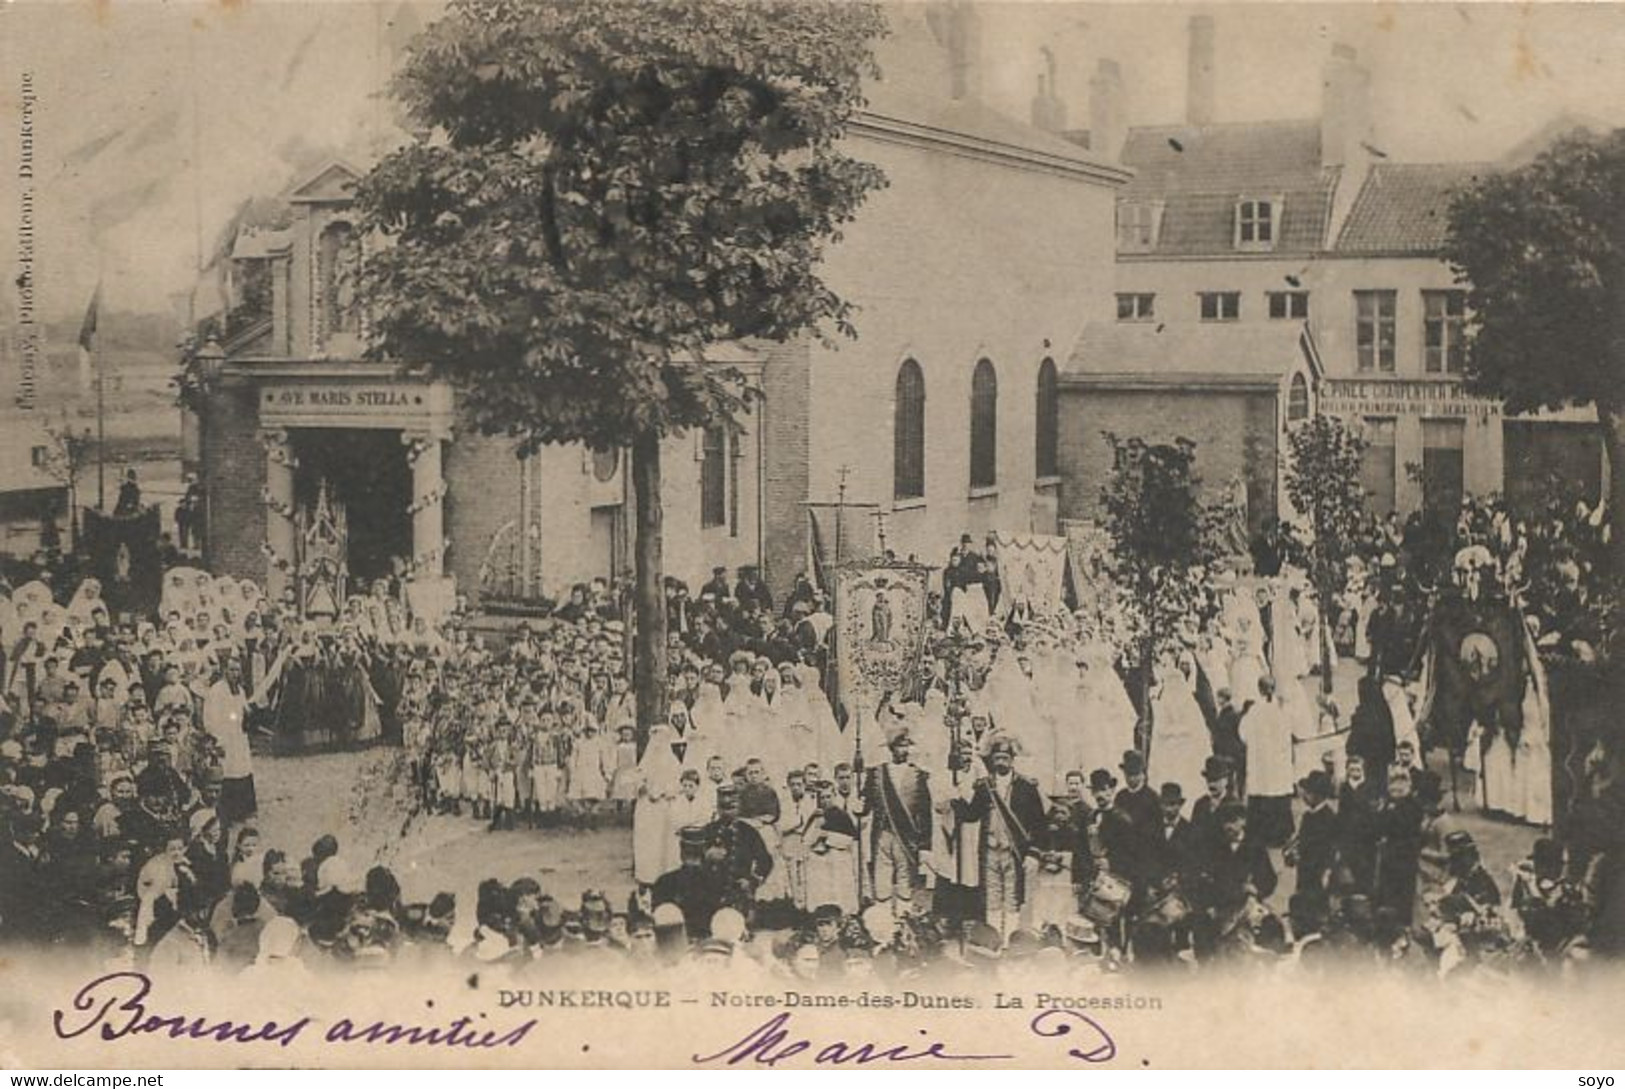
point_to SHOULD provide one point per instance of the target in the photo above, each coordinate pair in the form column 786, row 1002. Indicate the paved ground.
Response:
column 361, row 797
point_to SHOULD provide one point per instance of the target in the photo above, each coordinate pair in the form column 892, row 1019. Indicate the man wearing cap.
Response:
column 752, row 593
column 1009, row 811
column 735, row 852
column 717, row 587
column 695, row 891
column 897, row 801
column 1470, row 888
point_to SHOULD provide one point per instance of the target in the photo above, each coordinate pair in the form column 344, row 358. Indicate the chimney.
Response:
column 1107, row 126
column 1048, row 111
column 1199, row 78
column 1345, row 108
column 958, row 29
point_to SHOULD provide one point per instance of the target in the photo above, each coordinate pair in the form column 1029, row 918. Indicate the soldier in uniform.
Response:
column 694, row 888
column 1010, row 813
column 897, row 802
column 734, row 850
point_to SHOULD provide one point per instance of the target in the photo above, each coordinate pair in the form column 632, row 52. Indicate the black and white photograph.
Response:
column 811, row 533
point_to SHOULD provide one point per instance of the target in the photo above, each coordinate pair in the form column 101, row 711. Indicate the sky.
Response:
column 154, row 120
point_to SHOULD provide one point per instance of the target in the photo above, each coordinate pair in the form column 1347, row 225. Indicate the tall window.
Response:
column 1297, row 399
column 1374, row 330
column 984, row 426
column 908, row 433
column 1220, row 305
column 714, row 478
column 338, row 266
column 1289, row 305
column 1047, row 422
column 1136, row 306
column 1444, row 331
column 1255, row 224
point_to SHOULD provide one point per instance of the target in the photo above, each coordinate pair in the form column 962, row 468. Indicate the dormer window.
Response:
column 1257, row 223
column 1137, row 225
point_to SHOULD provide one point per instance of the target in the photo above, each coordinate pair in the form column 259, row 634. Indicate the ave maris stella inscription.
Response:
column 356, row 404
column 363, row 397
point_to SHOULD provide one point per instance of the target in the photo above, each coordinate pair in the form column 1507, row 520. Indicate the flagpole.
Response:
column 101, row 430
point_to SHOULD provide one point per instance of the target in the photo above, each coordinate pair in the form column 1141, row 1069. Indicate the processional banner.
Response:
column 1032, row 569
column 880, row 625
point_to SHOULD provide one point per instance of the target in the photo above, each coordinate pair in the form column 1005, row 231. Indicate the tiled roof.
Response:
column 1218, row 158
column 1405, row 208
column 1188, row 353
column 1198, row 174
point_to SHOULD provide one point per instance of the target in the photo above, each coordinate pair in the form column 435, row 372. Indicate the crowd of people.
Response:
column 1027, row 802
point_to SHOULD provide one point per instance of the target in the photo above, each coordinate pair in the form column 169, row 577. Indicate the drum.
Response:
column 1171, row 910
column 1107, row 897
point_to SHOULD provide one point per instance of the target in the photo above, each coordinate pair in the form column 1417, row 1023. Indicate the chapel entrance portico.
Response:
column 354, row 471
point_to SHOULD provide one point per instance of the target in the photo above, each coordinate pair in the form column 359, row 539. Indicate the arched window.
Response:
column 338, row 267
column 1046, row 422
column 984, row 426
column 908, row 433
column 1297, row 399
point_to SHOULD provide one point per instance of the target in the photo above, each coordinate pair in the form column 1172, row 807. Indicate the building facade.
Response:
column 971, row 273
column 1307, row 223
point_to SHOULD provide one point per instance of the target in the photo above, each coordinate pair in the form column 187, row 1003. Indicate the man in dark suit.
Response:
column 1010, row 811
column 1178, row 847
column 1142, row 812
column 23, row 907
column 695, row 888
column 1227, row 733
column 1236, row 869
column 1219, row 775
column 897, row 801
column 752, row 593
column 1313, row 849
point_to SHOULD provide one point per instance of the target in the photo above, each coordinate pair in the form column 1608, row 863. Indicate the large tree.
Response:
column 1165, row 543
column 1323, row 481
column 599, row 195
column 1542, row 250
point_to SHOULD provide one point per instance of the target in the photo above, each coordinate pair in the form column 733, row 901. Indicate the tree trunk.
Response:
column 1612, row 418
column 649, row 645
column 1323, row 638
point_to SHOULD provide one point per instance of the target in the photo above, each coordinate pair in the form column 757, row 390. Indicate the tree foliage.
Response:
column 600, row 192
column 1164, row 541
column 1542, row 252
column 1323, row 481
column 1542, row 249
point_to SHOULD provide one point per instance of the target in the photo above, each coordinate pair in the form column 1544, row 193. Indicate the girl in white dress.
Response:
column 1180, row 743
column 657, row 779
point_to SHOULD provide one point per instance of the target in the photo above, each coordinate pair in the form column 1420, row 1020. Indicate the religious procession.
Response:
column 938, row 771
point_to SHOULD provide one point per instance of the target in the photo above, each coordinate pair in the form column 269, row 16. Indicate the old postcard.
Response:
column 732, row 534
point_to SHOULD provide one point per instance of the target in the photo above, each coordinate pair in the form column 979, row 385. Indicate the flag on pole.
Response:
column 87, row 336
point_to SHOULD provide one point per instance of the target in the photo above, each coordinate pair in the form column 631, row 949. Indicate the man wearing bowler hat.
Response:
column 1142, row 811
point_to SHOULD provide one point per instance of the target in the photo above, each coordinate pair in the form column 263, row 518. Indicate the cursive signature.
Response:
column 773, row 1042
column 117, row 1004
column 1060, row 1023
